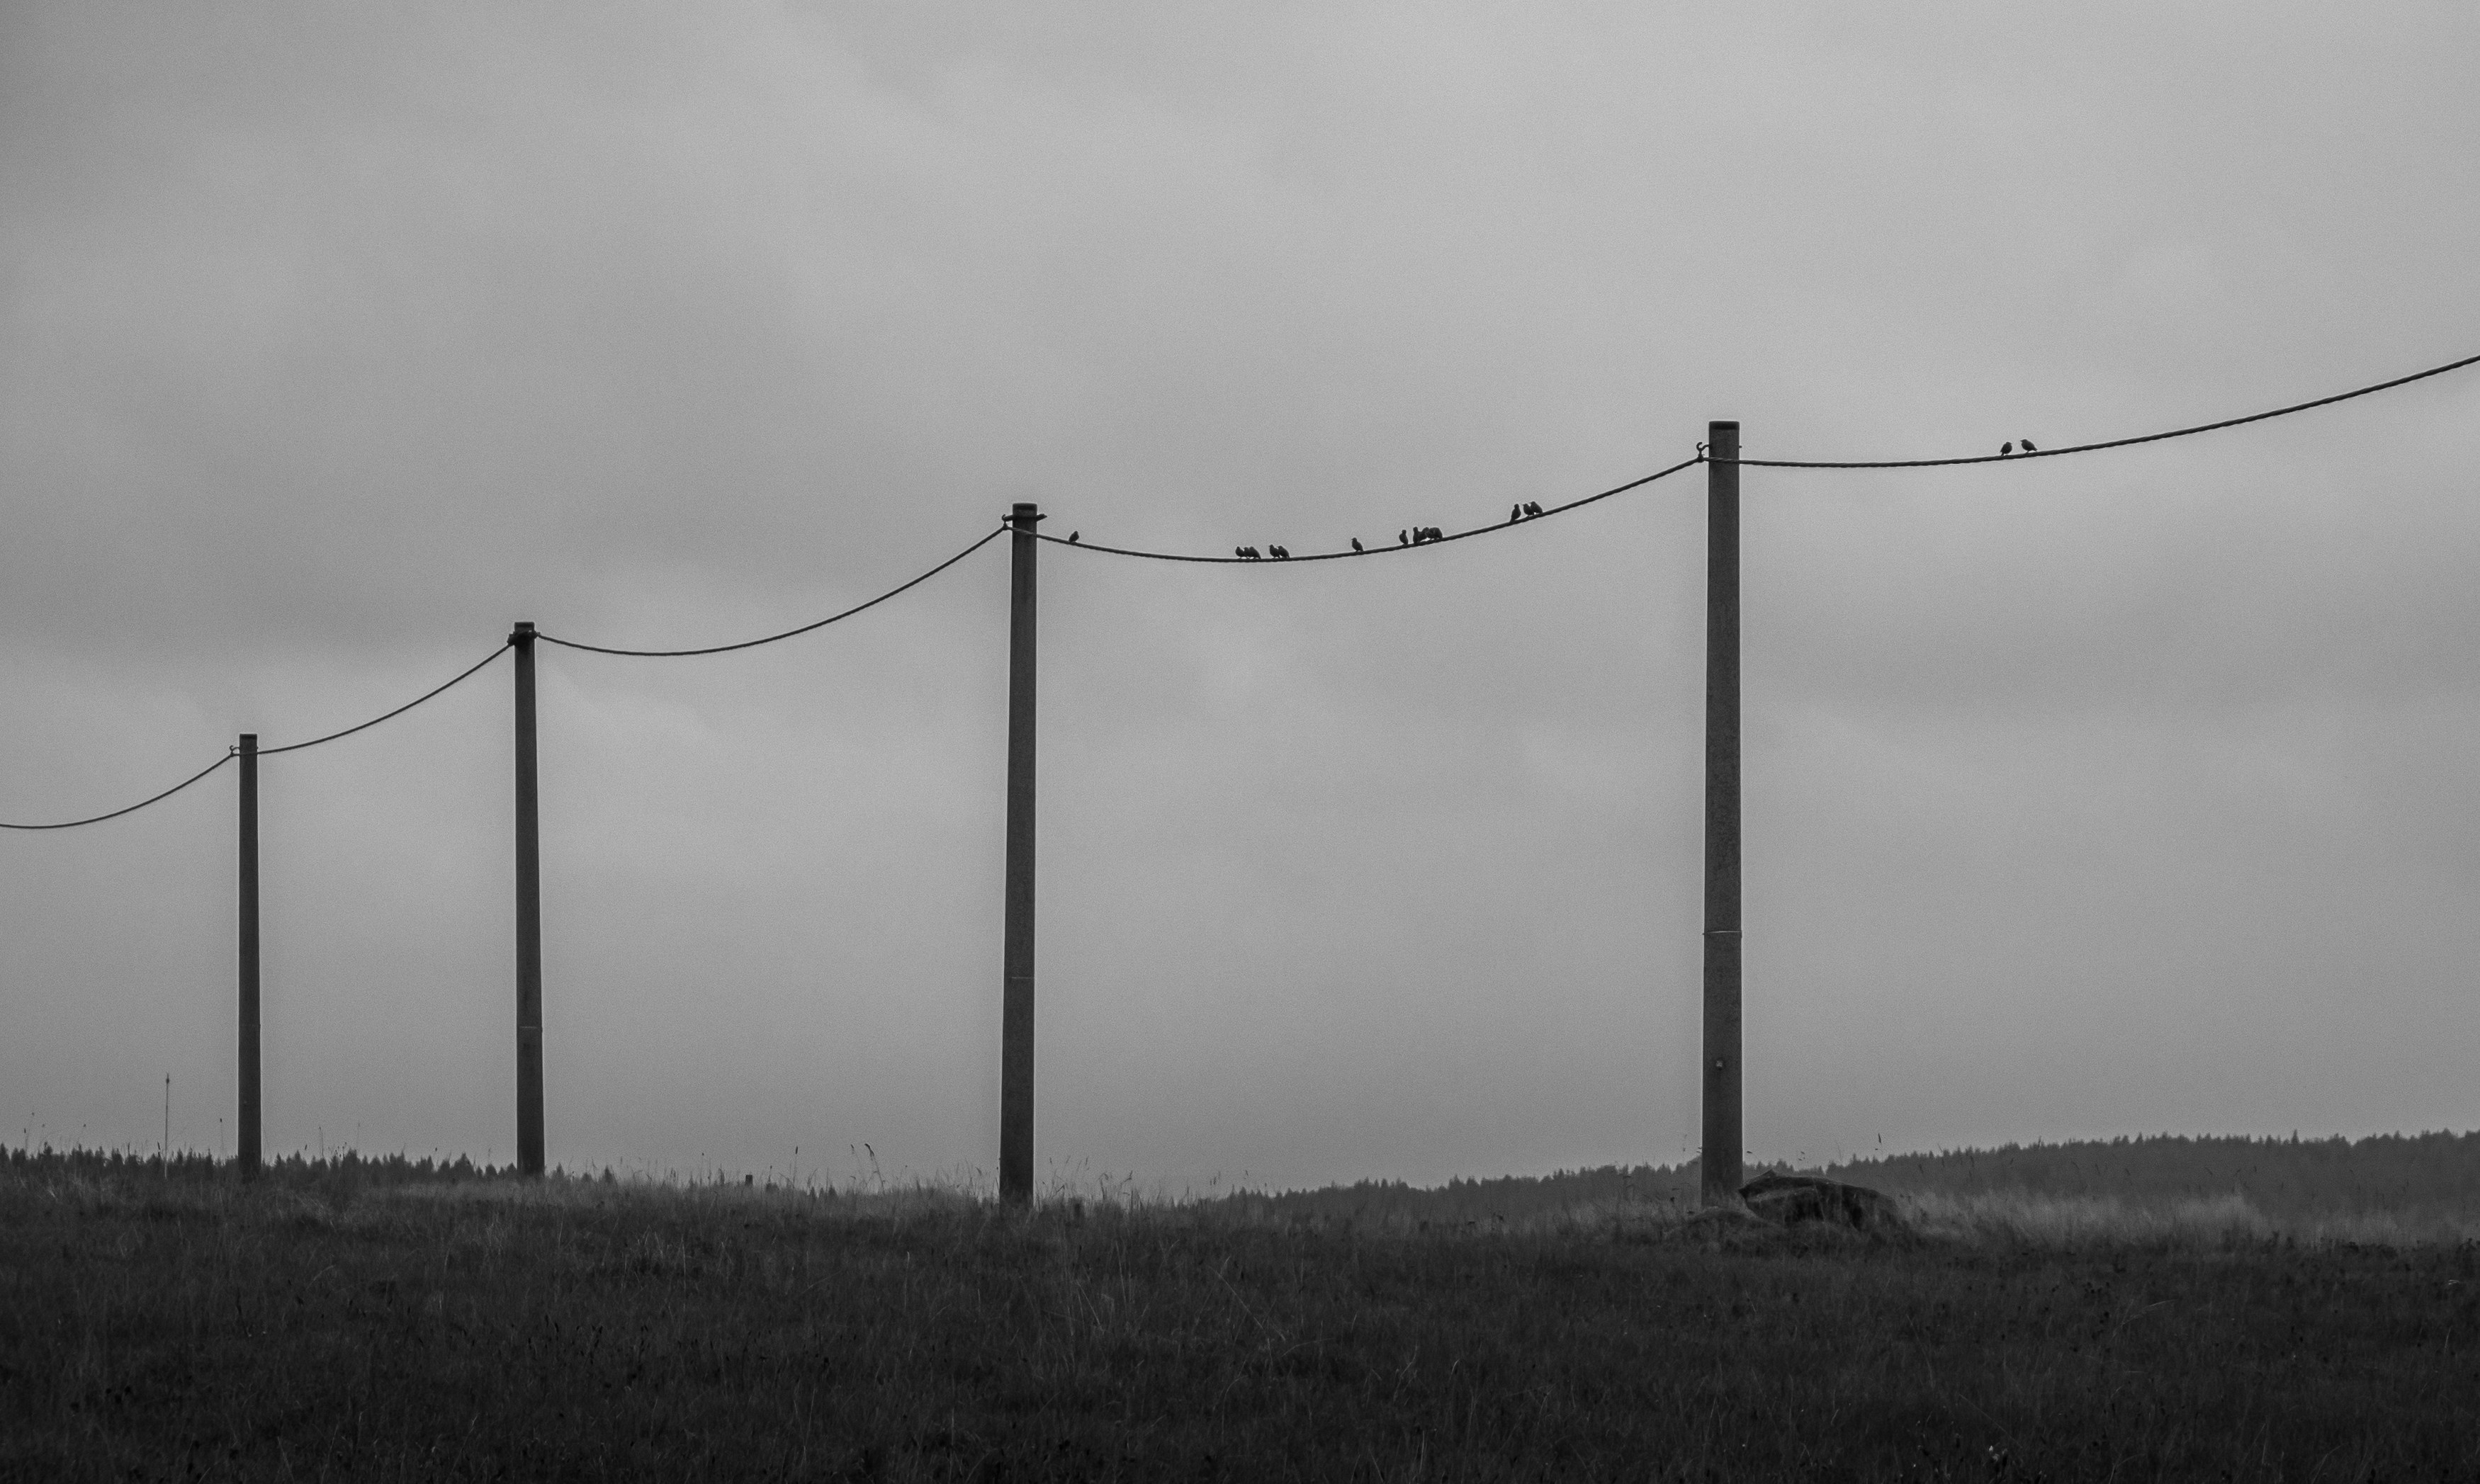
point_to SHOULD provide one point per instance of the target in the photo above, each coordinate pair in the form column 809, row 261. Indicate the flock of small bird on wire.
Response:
column 1408, row 536
column 1419, row 535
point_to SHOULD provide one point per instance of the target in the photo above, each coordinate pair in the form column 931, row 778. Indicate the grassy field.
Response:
column 357, row 1320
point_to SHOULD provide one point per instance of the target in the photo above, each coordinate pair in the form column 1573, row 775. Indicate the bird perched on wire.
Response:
column 1245, row 553
column 2027, row 446
column 1515, row 512
column 1533, row 507
column 1356, row 544
column 1401, row 537
column 2006, row 448
column 1279, row 554
column 1073, row 536
column 1437, row 534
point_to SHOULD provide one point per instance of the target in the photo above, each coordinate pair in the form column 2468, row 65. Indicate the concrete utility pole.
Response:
column 530, row 1023
column 248, row 1112
column 1016, row 1000
column 1719, row 1161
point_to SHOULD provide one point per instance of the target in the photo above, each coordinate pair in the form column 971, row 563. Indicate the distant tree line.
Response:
column 2411, row 1174
column 336, row 1173
column 2414, row 1175
column 2418, row 1175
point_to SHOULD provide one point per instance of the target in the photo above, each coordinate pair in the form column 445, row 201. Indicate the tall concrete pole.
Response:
column 530, row 1021
column 248, row 1113
column 1721, row 1158
column 1016, row 999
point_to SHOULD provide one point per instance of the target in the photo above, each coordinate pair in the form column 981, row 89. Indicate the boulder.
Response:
column 1788, row 1200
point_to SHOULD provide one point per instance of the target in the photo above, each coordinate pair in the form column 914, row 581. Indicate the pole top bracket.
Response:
column 1025, row 516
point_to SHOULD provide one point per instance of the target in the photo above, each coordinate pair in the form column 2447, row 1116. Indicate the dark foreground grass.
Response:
column 306, row 1329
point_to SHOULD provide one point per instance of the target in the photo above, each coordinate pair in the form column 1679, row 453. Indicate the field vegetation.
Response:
column 2393, row 1190
column 357, row 1319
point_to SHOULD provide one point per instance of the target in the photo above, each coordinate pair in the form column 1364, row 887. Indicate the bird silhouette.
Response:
column 2027, row 446
column 1072, row 537
column 1437, row 534
column 1515, row 512
column 2006, row 448
column 1355, row 543
column 1280, row 553
column 1251, row 552
column 1240, row 551
column 1532, row 507
column 1401, row 538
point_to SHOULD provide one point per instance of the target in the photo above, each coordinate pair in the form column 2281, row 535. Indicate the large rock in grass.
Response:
column 1788, row 1200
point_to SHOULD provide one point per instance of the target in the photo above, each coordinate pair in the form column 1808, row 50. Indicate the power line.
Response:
column 1984, row 458
column 1314, row 556
column 71, row 824
column 269, row 752
column 295, row 747
column 751, row 644
column 475, row 668
column 2115, row 443
column 1380, row 550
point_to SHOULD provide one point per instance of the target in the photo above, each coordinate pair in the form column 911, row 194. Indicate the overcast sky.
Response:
column 2133, row 791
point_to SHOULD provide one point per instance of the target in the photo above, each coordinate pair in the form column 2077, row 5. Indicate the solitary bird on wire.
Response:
column 1356, row 544
column 2027, row 446
column 1072, row 537
column 2006, row 448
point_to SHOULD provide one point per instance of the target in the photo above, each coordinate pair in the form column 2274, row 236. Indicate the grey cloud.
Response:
column 2081, row 792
